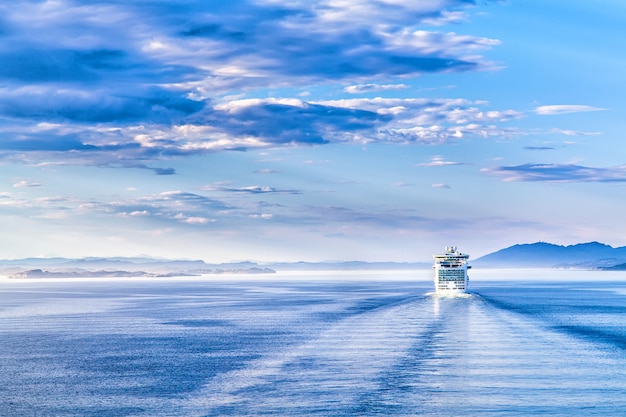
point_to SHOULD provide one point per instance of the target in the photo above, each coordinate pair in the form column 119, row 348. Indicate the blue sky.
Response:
column 377, row 130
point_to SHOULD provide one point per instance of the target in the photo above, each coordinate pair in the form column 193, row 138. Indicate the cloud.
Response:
column 123, row 83
column 438, row 161
column 372, row 88
column 193, row 219
column 253, row 124
column 569, row 132
column 95, row 105
column 440, row 185
column 36, row 142
column 559, row 173
column 539, row 148
column 264, row 216
column 565, row 109
column 170, row 206
column 253, row 189
column 446, row 18
column 164, row 171
column 431, row 120
column 275, row 122
column 40, row 207
column 26, row 183
column 245, row 41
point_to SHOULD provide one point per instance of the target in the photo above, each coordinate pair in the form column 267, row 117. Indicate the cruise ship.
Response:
column 451, row 271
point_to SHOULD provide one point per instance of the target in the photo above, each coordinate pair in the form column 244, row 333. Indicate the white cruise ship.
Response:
column 451, row 271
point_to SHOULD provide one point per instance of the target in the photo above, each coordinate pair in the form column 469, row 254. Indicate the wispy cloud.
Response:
column 539, row 148
column 570, row 132
column 438, row 161
column 559, row 173
column 26, row 183
column 40, row 207
column 193, row 219
column 565, row 109
column 317, row 162
column 253, row 189
column 373, row 88
column 264, row 216
column 170, row 206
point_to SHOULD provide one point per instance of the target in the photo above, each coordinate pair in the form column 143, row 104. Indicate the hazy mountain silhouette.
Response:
column 548, row 255
column 591, row 255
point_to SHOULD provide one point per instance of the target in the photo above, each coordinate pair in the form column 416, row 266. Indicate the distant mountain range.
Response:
column 121, row 267
column 591, row 255
column 152, row 267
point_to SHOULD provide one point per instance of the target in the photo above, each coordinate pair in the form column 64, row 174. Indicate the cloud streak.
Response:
column 171, row 207
column 26, row 184
column 565, row 109
column 373, row 88
column 438, row 161
column 253, row 189
column 559, row 173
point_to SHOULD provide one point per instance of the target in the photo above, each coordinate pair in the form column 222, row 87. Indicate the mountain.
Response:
column 153, row 267
column 120, row 267
column 589, row 255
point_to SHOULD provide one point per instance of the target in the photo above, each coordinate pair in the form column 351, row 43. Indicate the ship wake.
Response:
column 450, row 294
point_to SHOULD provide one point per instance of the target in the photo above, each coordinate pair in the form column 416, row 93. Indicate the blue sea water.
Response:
column 524, row 343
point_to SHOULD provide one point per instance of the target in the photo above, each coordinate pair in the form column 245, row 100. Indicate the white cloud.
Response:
column 378, row 12
column 428, row 111
column 372, row 88
column 199, row 220
column 569, row 132
column 269, row 123
column 438, row 161
column 264, row 216
column 446, row 18
column 565, row 109
column 437, row 43
column 26, row 183
column 252, row 189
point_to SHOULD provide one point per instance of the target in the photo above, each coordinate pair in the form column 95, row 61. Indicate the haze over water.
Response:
column 359, row 344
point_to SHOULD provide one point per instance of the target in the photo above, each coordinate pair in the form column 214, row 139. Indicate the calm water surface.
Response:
column 359, row 344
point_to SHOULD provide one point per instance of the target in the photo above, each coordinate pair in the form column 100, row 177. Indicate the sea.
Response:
column 333, row 343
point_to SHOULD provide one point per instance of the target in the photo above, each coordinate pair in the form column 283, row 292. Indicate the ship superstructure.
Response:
column 451, row 271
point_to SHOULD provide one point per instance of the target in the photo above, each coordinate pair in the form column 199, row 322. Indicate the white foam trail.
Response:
column 450, row 295
column 337, row 365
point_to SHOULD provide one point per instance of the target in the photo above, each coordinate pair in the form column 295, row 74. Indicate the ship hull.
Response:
column 451, row 272
column 451, row 280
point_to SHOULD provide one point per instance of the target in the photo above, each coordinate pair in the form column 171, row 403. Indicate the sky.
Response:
column 314, row 130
